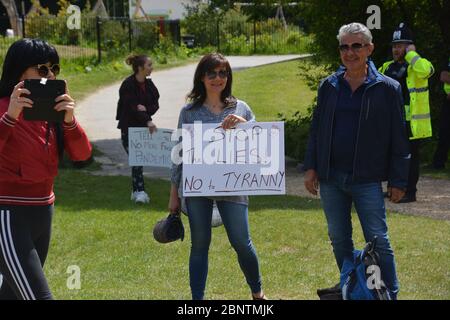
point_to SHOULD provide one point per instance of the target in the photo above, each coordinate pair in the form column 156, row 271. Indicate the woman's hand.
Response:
column 151, row 127
column 65, row 103
column 174, row 201
column 140, row 107
column 231, row 121
column 17, row 102
column 445, row 77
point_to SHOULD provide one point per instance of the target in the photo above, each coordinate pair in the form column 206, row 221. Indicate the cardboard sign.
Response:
column 152, row 150
column 247, row 160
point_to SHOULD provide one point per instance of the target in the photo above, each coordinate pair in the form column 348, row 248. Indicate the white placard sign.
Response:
column 248, row 160
column 152, row 150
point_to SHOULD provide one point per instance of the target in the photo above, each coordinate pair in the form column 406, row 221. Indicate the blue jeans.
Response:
column 235, row 220
column 337, row 195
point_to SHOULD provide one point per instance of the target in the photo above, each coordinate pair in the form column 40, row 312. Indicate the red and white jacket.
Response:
column 28, row 163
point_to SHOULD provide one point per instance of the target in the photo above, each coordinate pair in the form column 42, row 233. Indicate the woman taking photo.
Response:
column 138, row 102
column 211, row 101
column 29, row 154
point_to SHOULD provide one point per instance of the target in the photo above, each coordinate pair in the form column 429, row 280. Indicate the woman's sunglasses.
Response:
column 223, row 74
column 43, row 69
column 354, row 47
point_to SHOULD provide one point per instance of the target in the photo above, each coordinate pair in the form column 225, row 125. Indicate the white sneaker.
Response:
column 140, row 197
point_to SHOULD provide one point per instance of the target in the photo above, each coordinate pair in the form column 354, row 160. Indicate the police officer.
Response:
column 441, row 154
column 412, row 72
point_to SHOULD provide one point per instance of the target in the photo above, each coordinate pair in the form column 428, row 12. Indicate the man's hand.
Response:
column 445, row 77
column 311, row 181
column 395, row 194
column 411, row 47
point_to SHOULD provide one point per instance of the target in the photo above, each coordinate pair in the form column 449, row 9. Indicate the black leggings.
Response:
column 24, row 241
column 137, row 173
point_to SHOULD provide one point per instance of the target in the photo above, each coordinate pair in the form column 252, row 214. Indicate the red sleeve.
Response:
column 76, row 142
column 6, row 128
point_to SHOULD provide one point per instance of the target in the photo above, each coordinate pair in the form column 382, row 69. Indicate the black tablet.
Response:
column 43, row 94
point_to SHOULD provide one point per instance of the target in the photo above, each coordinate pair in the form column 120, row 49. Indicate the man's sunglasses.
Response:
column 43, row 69
column 354, row 47
column 223, row 74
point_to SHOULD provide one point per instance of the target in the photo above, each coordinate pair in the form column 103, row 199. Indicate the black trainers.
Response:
column 407, row 198
column 333, row 293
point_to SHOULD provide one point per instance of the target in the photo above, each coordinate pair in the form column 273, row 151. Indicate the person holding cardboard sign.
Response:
column 29, row 155
column 137, row 104
column 211, row 101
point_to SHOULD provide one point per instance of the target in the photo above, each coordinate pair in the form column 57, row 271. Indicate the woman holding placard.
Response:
column 211, row 101
column 137, row 104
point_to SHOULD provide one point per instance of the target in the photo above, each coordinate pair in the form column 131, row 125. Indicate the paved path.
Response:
column 433, row 196
column 97, row 112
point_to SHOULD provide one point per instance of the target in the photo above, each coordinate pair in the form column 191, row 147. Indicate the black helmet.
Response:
column 169, row 229
column 402, row 34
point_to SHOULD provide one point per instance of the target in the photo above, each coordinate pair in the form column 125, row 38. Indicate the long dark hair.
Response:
column 21, row 55
column 210, row 62
column 136, row 61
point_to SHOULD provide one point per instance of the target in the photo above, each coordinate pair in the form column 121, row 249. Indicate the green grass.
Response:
column 272, row 89
column 97, row 228
column 427, row 150
column 82, row 83
column 436, row 174
column 71, row 52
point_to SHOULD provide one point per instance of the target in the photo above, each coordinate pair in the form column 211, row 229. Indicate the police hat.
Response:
column 169, row 229
column 402, row 34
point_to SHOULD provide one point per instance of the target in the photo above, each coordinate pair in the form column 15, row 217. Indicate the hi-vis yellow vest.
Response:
column 418, row 111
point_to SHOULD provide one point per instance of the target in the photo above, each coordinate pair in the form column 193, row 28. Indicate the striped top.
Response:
column 188, row 115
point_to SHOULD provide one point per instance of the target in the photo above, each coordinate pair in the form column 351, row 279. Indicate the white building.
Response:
column 158, row 9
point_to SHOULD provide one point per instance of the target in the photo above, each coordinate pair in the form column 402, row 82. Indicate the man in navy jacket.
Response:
column 357, row 140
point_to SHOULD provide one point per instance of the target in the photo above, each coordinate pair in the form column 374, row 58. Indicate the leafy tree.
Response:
column 258, row 9
column 263, row 9
column 429, row 20
column 201, row 21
